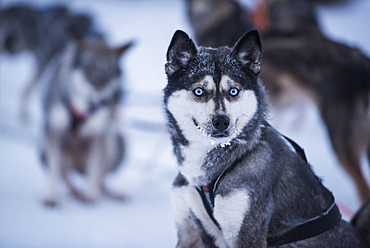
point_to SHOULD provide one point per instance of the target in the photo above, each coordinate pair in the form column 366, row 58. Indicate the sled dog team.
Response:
column 240, row 183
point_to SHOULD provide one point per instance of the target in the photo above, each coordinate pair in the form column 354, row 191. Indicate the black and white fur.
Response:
column 216, row 110
column 80, row 105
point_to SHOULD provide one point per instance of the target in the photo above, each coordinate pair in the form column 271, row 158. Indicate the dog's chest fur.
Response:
column 229, row 212
column 202, row 163
column 194, row 156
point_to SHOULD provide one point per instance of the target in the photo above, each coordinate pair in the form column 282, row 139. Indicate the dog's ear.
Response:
column 179, row 53
column 122, row 49
column 248, row 51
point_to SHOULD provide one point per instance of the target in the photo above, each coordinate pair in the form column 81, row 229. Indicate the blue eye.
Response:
column 234, row 92
column 198, row 92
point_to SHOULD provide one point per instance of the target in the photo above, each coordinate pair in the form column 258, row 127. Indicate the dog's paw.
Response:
column 118, row 197
column 115, row 196
column 51, row 203
column 78, row 195
column 91, row 200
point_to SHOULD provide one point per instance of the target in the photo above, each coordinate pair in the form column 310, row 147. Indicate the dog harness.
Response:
column 307, row 229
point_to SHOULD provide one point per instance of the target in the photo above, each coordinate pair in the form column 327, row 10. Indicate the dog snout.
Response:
column 220, row 122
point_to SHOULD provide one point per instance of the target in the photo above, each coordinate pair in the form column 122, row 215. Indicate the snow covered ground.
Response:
column 146, row 219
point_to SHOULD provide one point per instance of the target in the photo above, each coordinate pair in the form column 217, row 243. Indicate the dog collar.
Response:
column 307, row 229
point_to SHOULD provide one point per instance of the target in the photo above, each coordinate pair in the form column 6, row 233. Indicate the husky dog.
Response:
column 45, row 32
column 240, row 182
column 80, row 104
column 300, row 63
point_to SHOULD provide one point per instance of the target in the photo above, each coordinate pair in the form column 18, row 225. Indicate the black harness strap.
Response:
column 309, row 228
column 207, row 195
column 297, row 148
column 207, row 192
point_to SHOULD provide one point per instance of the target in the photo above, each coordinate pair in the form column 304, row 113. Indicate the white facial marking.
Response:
column 230, row 211
column 195, row 121
column 81, row 91
column 109, row 89
column 243, row 109
column 185, row 110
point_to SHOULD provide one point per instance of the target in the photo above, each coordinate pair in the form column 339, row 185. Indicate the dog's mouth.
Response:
column 220, row 135
column 195, row 122
column 208, row 130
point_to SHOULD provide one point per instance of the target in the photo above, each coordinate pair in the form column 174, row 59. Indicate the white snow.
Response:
column 146, row 219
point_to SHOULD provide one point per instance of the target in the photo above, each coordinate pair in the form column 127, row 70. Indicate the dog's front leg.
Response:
column 54, row 163
column 187, row 231
column 241, row 220
column 95, row 168
column 188, row 235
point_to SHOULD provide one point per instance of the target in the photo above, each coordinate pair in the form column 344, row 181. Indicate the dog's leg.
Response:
column 114, row 153
column 73, row 191
column 349, row 135
column 241, row 224
column 353, row 166
column 26, row 94
column 187, row 230
column 95, row 168
column 111, row 194
column 188, row 235
column 53, row 160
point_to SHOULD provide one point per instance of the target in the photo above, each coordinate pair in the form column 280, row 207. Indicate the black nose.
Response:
column 221, row 122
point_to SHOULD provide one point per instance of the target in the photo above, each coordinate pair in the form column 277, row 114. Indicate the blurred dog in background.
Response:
column 83, row 90
column 43, row 31
column 336, row 77
column 217, row 22
column 299, row 61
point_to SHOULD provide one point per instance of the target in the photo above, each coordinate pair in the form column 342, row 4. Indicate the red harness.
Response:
column 77, row 119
